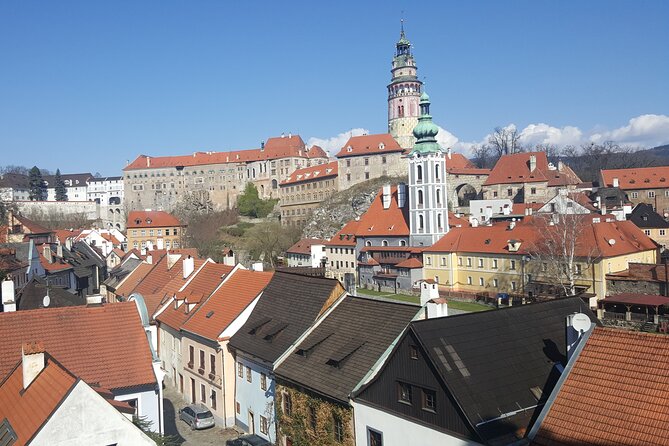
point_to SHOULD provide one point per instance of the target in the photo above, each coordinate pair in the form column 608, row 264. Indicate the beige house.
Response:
column 341, row 261
column 154, row 230
column 370, row 156
column 507, row 257
column 304, row 190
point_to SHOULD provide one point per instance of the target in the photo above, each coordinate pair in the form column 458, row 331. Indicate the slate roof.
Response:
column 101, row 344
column 27, row 410
column 226, row 303
column 617, row 393
column 491, row 360
column 340, row 351
column 644, row 216
column 288, row 306
column 15, row 180
column 120, row 272
column 31, row 296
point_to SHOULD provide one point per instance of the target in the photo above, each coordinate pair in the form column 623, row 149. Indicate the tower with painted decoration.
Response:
column 428, row 206
column 403, row 94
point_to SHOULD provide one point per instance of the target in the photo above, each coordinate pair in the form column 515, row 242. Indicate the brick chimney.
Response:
column 32, row 356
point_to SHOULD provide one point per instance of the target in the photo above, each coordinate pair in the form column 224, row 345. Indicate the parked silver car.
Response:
column 197, row 416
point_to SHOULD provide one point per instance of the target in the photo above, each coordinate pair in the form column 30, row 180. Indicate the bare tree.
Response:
column 483, row 157
column 504, row 141
column 266, row 241
column 561, row 251
column 590, row 158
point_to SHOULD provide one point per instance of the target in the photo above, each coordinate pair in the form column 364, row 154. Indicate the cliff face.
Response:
column 344, row 206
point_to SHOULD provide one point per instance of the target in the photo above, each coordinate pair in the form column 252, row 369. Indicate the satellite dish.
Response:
column 46, row 301
column 580, row 322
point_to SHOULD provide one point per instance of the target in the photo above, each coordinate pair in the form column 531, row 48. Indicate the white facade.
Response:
column 397, row 431
column 562, row 203
column 482, row 210
column 86, row 418
column 317, row 255
column 428, row 203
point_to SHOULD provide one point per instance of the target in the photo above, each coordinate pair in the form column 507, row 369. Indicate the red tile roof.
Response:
column 638, row 178
column 58, row 265
column 617, row 393
column 226, row 303
column 133, row 279
column 391, row 222
column 28, row 410
column 515, row 168
column 151, row 219
column 594, row 239
column 329, row 170
column 278, row 147
column 63, row 234
column 369, row 145
column 304, row 246
column 317, row 152
column 410, row 263
column 102, row 344
column 31, row 226
column 345, row 236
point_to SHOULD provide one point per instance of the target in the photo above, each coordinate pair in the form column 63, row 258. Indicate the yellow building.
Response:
column 513, row 258
column 154, row 230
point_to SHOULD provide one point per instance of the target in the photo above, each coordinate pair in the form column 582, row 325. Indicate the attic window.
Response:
column 259, row 325
column 307, row 348
column 381, row 146
column 149, row 221
column 487, row 241
column 647, row 180
column 632, row 181
column 663, row 179
column 138, row 221
column 210, row 314
column 349, row 149
column 274, row 331
column 339, row 356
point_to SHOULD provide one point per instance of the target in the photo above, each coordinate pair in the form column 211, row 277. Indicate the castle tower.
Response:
column 403, row 94
column 428, row 206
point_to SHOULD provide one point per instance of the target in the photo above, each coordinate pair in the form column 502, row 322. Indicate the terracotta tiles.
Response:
column 102, row 344
column 329, row 170
column 226, row 303
column 304, row 246
column 27, row 410
column 638, row 178
column 151, row 219
column 369, row 145
column 515, row 168
column 391, row 222
column 617, row 393
column 133, row 279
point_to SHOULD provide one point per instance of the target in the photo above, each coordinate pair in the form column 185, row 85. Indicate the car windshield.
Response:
column 203, row 415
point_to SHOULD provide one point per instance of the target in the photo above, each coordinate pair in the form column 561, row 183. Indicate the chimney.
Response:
column 448, row 153
column 533, row 162
column 8, row 303
column 428, row 291
column 149, row 259
column 577, row 325
column 148, row 161
column 386, row 196
column 262, row 146
column 46, row 252
column 603, row 208
column 94, row 299
column 615, row 182
column 401, row 195
column 282, row 135
column 290, row 135
column 189, row 266
column 59, row 250
column 257, row 266
column 32, row 361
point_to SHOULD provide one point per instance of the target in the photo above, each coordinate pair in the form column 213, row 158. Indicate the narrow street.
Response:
column 182, row 433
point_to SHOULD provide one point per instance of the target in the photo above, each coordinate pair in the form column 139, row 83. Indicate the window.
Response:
column 413, row 352
column 202, row 360
column 509, row 192
column 469, row 280
column 533, row 190
column 577, row 268
column 213, row 399
column 634, row 195
column 212, row 364
column 481, row 282
column 374, row 438
column 203, row 394
column 469, row 261
column 263, row 381
column 404, row 392
column 263, row 425
column 494, row 194
column 480, row 263
column 495, row 283
column 443, row 261
column 383, row 160
column 238, row 407
column 191, row 356
column 240, row 370
column 167, row 232
column 513, row 286
column 428, row 261
column 662, row 231
column 494, row 263
column 338, row 429
column 647, row 231
column 513, row 265
column 367, row 175
column 366, row 161
column 429, row 400
column 651, row 194
column 248, row 374
column 287, row 404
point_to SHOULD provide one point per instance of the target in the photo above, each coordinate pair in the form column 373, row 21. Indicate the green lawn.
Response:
column 456, row 305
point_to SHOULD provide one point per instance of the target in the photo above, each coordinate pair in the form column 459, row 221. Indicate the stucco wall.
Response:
column 251, row 398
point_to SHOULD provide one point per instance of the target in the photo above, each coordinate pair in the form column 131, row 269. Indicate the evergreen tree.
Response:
column 251, row 205
column 61, row 191
column 36, row 185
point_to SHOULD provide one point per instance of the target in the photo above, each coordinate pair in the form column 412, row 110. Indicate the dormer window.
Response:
column 382, row 146
column 349, row 149
column 138, row 221
column 149, row 221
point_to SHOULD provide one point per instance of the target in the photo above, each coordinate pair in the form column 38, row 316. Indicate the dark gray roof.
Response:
column 491, row 360
column 288, row 306
column 120, row 272
column 22, row 250
column 644, row 216
column 77, row 179
column 31, row 296
column 335, row 357
column 14, row 180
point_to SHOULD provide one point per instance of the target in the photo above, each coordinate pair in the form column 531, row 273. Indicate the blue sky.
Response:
column 85, row 86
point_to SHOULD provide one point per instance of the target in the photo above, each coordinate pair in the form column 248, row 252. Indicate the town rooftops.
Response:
column 103, row 344
column 31, row 296
column 616, row 393
column 303, row 246
column 31, row 226
column 345, row 236
column 637, row 178
column 70, row 179
column 320, row 171
column 458, row 164
column 608, row 238
column 288, row 306
column 151, row 219
column 516, row 168
column 342, row 349
column 644, row 216
column 226, row 303
column 275, row 148
column 391, row 222
column 369, row 145
column 651, row 272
